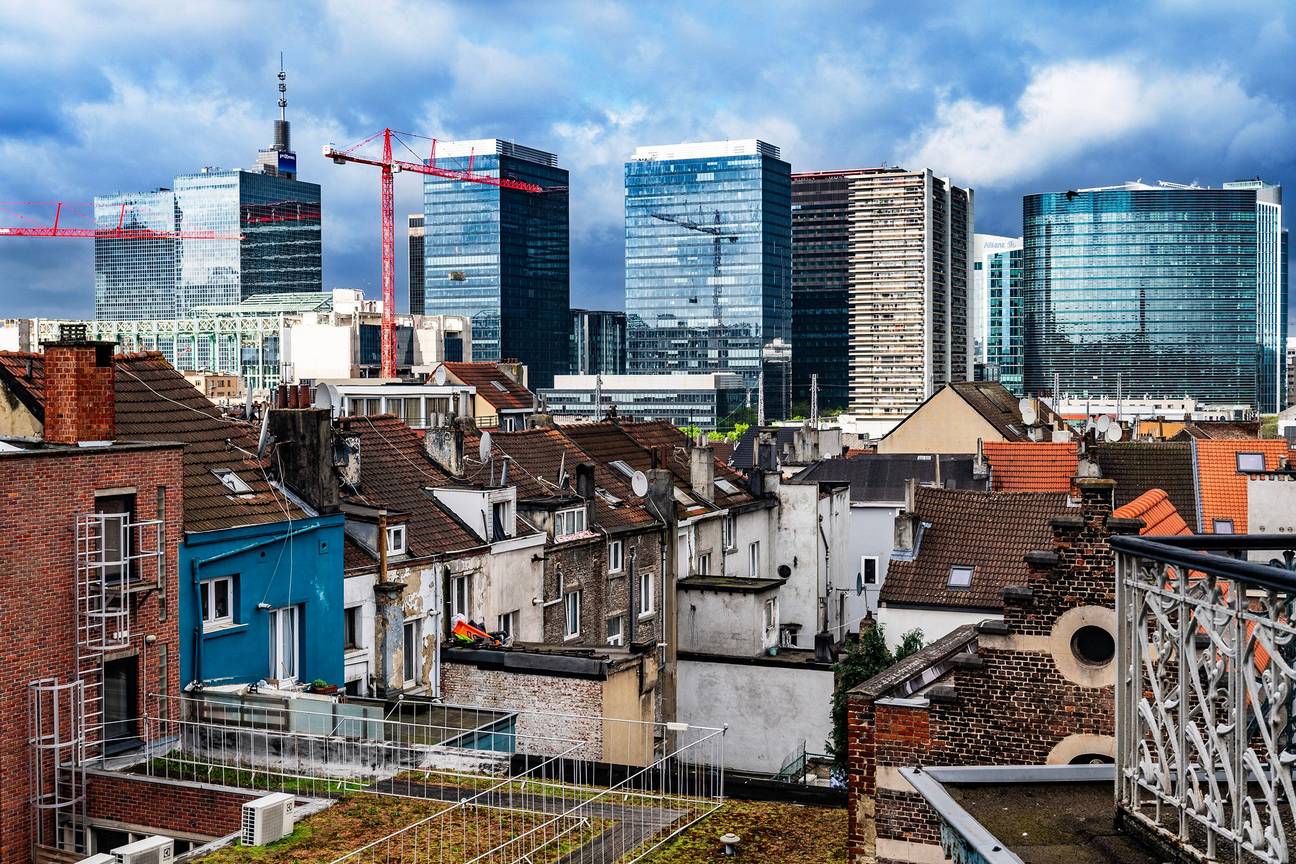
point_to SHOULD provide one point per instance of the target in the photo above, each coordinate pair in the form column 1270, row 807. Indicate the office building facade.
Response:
column 820, row 288
column 1166, row 290
column 709, row 401
column 708, row 257
column 415, row 239
column 598, row 342
column 501, row 256
column 983, row 246
column 1002, row 274
column 267, row 225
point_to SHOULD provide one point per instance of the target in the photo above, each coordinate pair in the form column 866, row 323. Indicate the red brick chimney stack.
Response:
column 79, row 403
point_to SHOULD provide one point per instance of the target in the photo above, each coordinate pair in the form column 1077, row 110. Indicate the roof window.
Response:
column 960, row 576
column 231, row 481
column 1250, row 463
column 498, row 386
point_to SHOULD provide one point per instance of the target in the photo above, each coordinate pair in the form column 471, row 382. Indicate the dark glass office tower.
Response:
column 416, row 263
column 135, row 278
column 500, row 256
column 820, row 288
column 1003, row 275
column 1166, row 290
column 598, row 342
column 708, row 257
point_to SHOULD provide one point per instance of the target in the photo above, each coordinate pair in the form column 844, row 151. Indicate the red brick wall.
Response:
column 166, row 805
column 40, row 496
column 79, row 401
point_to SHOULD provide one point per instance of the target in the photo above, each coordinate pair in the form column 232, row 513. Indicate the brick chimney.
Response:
column 79, row 403
column 702, row 468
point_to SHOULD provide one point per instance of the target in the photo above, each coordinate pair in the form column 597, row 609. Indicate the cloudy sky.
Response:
column 1009, row 99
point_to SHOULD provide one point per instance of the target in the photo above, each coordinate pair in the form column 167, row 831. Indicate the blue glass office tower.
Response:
column 1003, row 281
column 1177, row 290
column 269, row 222
column 501, row 256
column 708, row 257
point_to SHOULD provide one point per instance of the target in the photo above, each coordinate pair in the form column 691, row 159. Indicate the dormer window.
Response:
column 231, row 481
column 395, row 539
column 1250, row 463
column 569, row 522
column 960, row 576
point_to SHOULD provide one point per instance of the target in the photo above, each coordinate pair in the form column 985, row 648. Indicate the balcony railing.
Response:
column 1206, row 679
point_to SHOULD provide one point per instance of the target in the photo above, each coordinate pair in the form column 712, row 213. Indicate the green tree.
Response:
column 861, row 660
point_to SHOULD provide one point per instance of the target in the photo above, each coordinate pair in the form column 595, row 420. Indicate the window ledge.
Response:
column 355, row 654
column 210, row 631
column 643, row 615
column 572, row 638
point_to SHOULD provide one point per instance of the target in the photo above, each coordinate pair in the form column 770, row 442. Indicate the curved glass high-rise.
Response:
column 708, row 279
column 1160, row 291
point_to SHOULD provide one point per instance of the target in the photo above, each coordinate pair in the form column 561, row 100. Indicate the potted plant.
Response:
column 319, row 685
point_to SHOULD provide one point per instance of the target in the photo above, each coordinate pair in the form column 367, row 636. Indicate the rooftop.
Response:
column 1160, row 518
column 705, row 149
column 493, row 385
column 1139, row 466
column 1222, row 482
column 1031, row 466
column 881, row 477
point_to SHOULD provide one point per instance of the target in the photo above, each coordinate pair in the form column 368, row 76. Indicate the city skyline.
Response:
column 1056, row 104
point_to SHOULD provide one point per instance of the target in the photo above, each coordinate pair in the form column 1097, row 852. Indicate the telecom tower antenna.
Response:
column 281, row 125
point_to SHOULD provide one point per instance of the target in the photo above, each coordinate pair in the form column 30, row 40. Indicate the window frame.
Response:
column 754, row 559
column 704, row 564
column 455, row 610
column 729, row 532
column 397, row 530
column 1216, row 523
column 507, row 623
column 276, row 617
column 351, row 621
column 619, row 556
column 770, row 616
column 646, row 606
column 960, row 585
column 619, row 638
column 572, row 615
column 1252, row 455
column 572, row 514
column 409, row 660
column 864, row 576
column 207, row 589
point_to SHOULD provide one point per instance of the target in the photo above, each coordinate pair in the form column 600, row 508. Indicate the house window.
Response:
column 960, row 576
column 459, row 593
column 117, row 512
column 285, row 645
column 753, row 559
column 217, row 602
column 1249, row 463
column 729, row 531
column 499, row 519
column 868, row 569
column 645, row 594
column 771, row 614
column 351, row 628
column 508, row 624
column 569, row 522
column 614, row 631
column 704, row 564
column 614, row 556
column 571, row 626
column 1222, row 526
column 411, row 651
column 395, row 539
column 231, row 481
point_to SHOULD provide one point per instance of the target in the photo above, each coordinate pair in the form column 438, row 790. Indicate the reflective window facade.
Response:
column 710, row 404
column 1003, row 274
column 820, row 289
column 708, row 260
column 598, row 342
column 416, row 263
column 277, row 217
column 501, row 257
column 1175, row 291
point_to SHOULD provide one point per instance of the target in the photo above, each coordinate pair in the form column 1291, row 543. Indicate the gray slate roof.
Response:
column 876, row 477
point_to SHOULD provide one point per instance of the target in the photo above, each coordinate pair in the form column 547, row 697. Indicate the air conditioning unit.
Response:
column 151, row 850
column 101, row 858
column 267, row 819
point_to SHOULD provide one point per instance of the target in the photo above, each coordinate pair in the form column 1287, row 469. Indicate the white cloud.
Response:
column 1069, row 109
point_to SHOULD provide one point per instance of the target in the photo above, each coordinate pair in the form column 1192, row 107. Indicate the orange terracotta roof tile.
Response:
column 1160, row 518
column 1031, row 466
column 1222, row 488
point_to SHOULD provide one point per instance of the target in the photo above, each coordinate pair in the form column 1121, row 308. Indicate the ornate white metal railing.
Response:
column 1204, row 699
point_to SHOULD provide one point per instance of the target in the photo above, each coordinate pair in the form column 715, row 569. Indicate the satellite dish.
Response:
column 326, row 396
column 1029, row 416
column 1024, row 404
column 439, row 376
column 1103, row 424
column 484, row 448
column 1114, row 432
column 639, row 483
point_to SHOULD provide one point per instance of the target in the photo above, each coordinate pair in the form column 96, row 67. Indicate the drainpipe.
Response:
column 195, row 566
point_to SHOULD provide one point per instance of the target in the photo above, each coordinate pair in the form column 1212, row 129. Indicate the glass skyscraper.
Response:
column 708, row 257
column 501, row 256
column 598, row 342
column 276, row 216
column 1003, row 280
column 416, row 262
column 821, row 288
column 1164, row 291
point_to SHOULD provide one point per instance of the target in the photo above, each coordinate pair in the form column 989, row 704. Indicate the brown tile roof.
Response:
column 999, row 407
column 538, row 454
column 659, row 434
column 1138, row 466
column 23, row 374
column 1031, row 466
column 1160, row 518
column 1227, row 429
column 493, row 385
column 608, row 442
column 394, row 472
column 988, row 531
column 1223, row 487
column 155, row 403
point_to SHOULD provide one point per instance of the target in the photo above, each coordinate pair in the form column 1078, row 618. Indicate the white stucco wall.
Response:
column 769, row 709
column 872, row 534
column 933, row 623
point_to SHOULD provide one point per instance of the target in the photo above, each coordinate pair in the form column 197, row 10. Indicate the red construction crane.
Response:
column 120, row 232
column 391, row 167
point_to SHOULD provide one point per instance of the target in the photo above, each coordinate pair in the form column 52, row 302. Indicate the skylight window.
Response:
column 607, row 496
column 499, row 386
column 231, row 481
column 726, row 487
column 1250, row 462
column 960, row 576
column 622, row 466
